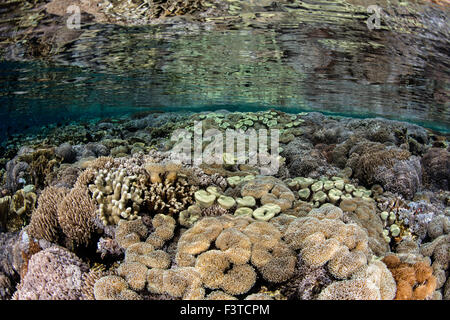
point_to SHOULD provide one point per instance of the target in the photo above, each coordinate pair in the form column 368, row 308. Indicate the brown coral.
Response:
column 343, row 246
column 269, row 190
column 113, row 287
column 44, row 220
column 414, row 281
column 436, row 165
column 392, row 167
column 217, row 271
column 75, row 216
column 181, row 282
column 135, row 273
column 146, row 254
column 372, row 281
column 363, row 213
column 164, row 226
column 130, row 232
column 169, row 198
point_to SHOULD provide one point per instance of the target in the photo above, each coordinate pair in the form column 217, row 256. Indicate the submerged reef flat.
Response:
column 354, row 209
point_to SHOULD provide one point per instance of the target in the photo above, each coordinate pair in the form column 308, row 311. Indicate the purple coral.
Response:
column 404, row 177
column 108, row 247
column 53, row 274
column 417, row 217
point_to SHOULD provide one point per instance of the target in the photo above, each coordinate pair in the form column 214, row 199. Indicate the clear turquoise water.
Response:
column 333, row 65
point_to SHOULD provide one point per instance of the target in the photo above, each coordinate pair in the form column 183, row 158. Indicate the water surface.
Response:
column 290, row 55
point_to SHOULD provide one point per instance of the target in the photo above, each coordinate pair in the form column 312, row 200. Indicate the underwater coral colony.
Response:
column 358, row 209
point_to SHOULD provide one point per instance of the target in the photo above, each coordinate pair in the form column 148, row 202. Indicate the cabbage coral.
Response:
column 321, row 240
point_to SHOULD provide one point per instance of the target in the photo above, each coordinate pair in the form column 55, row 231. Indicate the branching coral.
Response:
column 409, row 218
column 118, row 195
column 169, row 197
column 196, row 176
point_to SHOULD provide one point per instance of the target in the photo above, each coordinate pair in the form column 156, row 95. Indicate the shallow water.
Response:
column 294, row 56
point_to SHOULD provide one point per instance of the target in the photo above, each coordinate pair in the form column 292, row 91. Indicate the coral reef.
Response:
column 345, row 217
